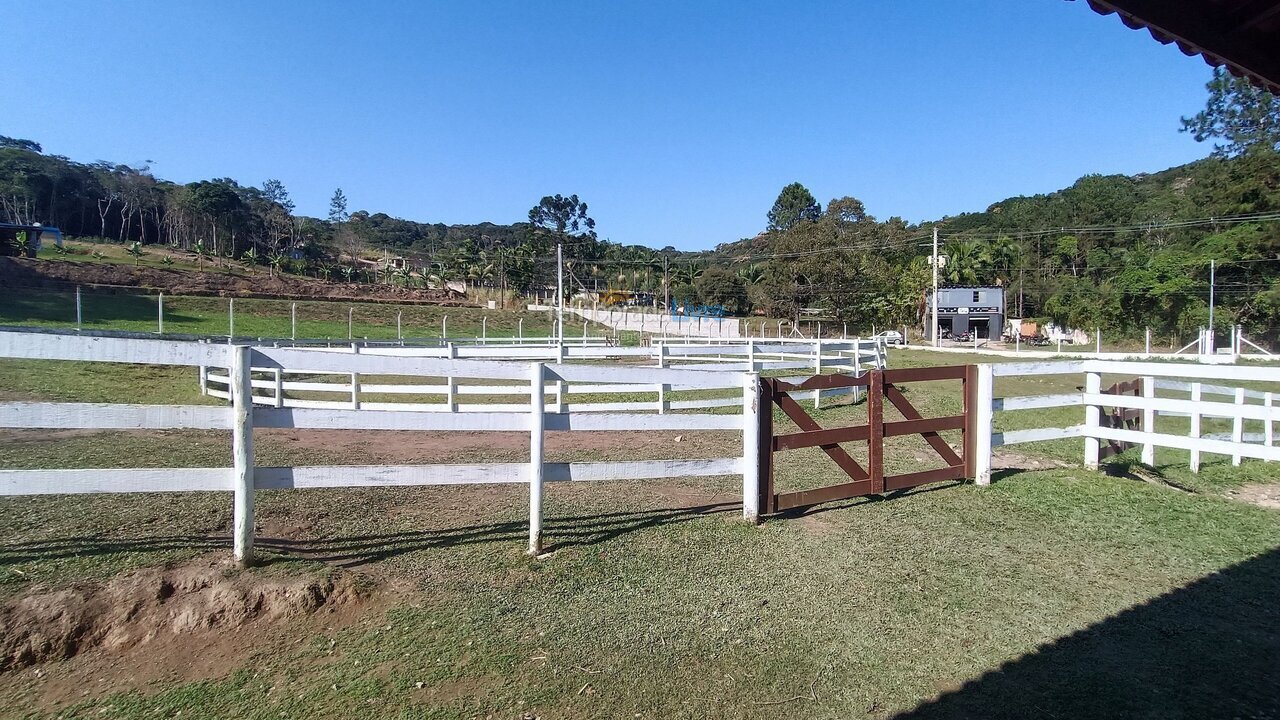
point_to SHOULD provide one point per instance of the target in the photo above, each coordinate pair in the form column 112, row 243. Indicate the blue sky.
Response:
column 678, row 122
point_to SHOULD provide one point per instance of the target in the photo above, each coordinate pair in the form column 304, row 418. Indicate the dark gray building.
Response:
column 961, row 309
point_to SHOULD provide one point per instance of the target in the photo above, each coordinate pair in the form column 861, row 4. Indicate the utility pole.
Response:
column 934, row 322
column 1212, row 269
column 666, row 283
column 560, row 291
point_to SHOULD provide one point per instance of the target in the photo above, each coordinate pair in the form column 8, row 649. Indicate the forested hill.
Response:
column 1118, row 252
column 128, row 204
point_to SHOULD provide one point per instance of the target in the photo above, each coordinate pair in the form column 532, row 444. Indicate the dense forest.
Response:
column 1118, row 252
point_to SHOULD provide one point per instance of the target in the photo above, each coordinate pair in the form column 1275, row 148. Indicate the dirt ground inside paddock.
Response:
column 397, row 447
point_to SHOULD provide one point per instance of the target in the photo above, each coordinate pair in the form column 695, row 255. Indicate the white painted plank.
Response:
column 113, row 417
column 1179, row 386
column 650, row 375
column 1185, row 370
column 1173, row 405
column 59, row 346
column 1015, row 369
column 114, row 480
column 1034, row 402
column 294, row 360
column 641, row 469
column 276, row 478
column 637, row 423
column 1016, row 437
column 704, row 403
column 369, row 419
column 1182, row 442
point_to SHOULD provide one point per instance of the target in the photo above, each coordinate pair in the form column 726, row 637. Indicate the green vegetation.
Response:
column 269, row 318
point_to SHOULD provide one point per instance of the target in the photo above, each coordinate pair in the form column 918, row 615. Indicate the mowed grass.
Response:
column 1054, row 592
column 258, row 318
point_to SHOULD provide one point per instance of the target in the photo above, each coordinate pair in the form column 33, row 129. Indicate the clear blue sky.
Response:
column 678, row 122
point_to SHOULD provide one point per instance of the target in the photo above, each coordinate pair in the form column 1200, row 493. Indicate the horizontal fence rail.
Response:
column 1163, row 389
column 287, row 373
column 530, row 383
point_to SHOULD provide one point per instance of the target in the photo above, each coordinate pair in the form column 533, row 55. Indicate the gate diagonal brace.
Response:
column 909, row 412
column 833, row 451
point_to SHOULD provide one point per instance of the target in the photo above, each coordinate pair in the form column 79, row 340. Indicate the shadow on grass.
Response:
column 358, row 550
column 1210, row 649
column 809, row 510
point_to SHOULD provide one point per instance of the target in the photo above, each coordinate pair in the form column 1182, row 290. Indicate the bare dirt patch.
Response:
column 161, row 608
column 395, row 447
column 1009, row 460
column 1266, row 495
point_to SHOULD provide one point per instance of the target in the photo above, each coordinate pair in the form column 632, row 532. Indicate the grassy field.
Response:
column 1055, row 592
column 270, row 318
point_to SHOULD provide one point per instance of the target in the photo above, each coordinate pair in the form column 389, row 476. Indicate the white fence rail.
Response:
column 280, row 386
column 1174, row 380
column 534, row 416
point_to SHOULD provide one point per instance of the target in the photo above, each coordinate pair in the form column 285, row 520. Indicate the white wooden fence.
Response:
column 281, row 386
column 536, row 417
column 1174, row 379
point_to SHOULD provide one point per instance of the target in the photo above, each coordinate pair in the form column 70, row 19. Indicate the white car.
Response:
column 891, row 337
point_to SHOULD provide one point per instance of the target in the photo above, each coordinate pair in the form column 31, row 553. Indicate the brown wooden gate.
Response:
column 880, row 385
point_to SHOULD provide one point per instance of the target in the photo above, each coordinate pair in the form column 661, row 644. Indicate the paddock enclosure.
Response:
column 751, row 388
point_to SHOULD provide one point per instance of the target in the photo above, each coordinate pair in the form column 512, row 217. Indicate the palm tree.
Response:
column 249, row 258
column 965, row 262
column 751, row 274
column 690, row 273
column 276, row 261
column 202, row 253
column 1004, row 254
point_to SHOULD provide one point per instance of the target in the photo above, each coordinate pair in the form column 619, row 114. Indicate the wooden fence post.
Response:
column 242, row 453
column 537, row 424
column 231, row 319
column 279, row 378
column 1148, row 421
column 160, row 314
column 875, row 434
column 982, row 418
column 751, row 412
column 293, row 321
column 1092, row 420
column 1195, row 425
column 79, row 315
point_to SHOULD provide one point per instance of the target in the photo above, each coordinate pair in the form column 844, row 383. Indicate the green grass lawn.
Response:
column 1056, row 593
column 316, row 319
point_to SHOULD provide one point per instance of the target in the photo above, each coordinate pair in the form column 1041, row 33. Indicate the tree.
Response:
column 20, row 144
column 1245, row 116
column 563, row 216
column 795, row 204
column 719, row 286
column 338, row 207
